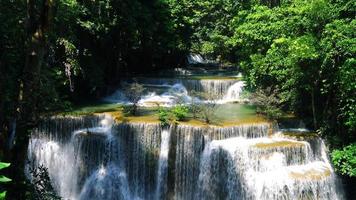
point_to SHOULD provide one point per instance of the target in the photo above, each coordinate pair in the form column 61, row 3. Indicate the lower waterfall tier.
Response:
column 94, row 158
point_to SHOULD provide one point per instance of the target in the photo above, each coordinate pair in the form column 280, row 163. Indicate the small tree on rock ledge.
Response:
column 133, row 93
column 206, row 110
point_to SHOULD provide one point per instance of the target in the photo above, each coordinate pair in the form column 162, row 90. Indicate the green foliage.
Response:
column 180, row 112
column 164, row 116
column 268, row 102
column 345, row 160
column 205, row 111
column 3, row 179
column 173, row 115
column 305, row 50
column 338, row 67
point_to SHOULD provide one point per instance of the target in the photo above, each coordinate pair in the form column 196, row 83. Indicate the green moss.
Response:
column 90, row 109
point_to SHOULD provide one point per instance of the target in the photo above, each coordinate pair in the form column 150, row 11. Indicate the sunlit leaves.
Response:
column 3, row 179
column 339, row 45
column 4, row 165
column 345, row 160
column 2, row 195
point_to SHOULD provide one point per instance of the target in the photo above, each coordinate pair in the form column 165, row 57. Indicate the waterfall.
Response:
column 95, row 158
column 168, row 92
column 238, row 164
column 108, row 182
column 196, row 59
column 161, row 188
column 77, row 165
column 234, row 92
column 190, row 145
column 54, row 146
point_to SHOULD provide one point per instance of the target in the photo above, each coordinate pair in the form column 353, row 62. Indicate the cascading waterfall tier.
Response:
column 94, row 158
column 168, row 92
column 215, row 86
column 262, row 169
column 70, row 148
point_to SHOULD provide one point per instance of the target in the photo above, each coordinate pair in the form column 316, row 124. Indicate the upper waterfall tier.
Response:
column 167, row 92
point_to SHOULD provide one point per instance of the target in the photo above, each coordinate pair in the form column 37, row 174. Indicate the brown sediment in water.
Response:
column 311, row 174
column 119, row 117
column 276, row 144
column 196, row 77
column 300, row 135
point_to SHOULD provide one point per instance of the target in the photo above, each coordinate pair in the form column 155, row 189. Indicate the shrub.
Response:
column 172, row 115
column 127, row 110
column 267, row 102
column 180, row 112
column 205, row 110
column 164, row 116
column 345, row 160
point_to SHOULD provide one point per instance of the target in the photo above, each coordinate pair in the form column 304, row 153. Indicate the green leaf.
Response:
column 2, row 195
column 4, row 179
column 4, row 165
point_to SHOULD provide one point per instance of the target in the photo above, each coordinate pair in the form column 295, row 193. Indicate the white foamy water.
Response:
column 234, row 92
column 259, row 169
column 226, row 91
column 196, row 59
column 95, row 159
column 161, row 188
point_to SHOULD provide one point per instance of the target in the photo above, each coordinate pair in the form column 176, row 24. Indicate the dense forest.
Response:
column 57, row 54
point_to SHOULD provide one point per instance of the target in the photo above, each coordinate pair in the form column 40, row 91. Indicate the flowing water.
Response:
column 161, row 188
column 95, row 158
column 169, row 92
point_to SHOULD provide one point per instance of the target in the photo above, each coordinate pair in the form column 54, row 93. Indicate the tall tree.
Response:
column 39, row 16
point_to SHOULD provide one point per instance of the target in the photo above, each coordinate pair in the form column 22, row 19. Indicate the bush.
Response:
column 128, row 110
column 164, row 116
column 267, row 102
column 172, row 115
column 345, row 160
column 180, row 112
column 205, row 111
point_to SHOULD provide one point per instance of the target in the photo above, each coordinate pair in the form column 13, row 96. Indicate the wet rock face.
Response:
column 93, row 158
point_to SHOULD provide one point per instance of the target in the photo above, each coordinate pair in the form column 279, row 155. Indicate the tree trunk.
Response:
column 313, row 108
column 28, row 98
